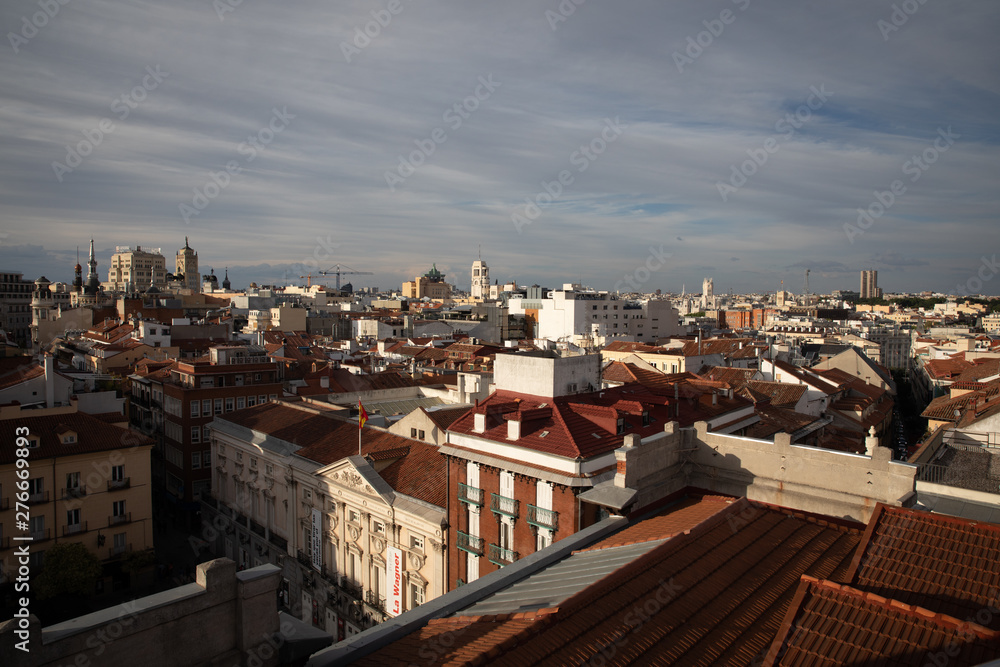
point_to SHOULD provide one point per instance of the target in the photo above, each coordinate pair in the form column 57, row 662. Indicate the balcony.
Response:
column 351, row 588
column 119, row 519
column 75, row 529
column 73, row 493
column 42, row 535
column 119, row 550
column 278, row 541
column 375, row 601
column 470, row 543
column 256, row 528
column 119, row 484
column 501, row 556
column 503, row 505
column 470, row 494
column 303, row 558
column 543, row 518
column 40, row 497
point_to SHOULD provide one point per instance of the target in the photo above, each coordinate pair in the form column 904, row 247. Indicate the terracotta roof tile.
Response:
column 827, row 620
column 946, row 564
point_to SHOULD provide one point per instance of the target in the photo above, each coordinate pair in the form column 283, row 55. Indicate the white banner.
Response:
column 394, row 567
column 317, row 540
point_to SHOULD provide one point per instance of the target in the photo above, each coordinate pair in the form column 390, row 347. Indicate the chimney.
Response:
column 514, row 428
column 50, row 381
column 479, row 422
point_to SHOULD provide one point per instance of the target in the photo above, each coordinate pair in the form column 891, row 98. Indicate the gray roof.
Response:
column 960, row 507
column 557, row 583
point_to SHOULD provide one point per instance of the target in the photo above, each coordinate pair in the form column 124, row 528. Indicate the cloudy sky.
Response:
column 739, row 137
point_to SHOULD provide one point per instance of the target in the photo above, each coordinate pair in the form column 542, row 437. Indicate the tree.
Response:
column 68, row 568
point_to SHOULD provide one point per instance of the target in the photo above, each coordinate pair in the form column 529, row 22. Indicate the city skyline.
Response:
column 739, row 138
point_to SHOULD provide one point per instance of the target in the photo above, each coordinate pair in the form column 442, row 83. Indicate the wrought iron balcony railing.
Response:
column 470, row 543
column 543, row 518
column 503, row 505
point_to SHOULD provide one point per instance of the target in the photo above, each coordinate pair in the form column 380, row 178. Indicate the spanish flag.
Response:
column 362, row 415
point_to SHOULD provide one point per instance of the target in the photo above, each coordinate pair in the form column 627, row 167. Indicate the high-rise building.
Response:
column 480, row 279
column 186, row 265
column 869, row 284
column 136, row 269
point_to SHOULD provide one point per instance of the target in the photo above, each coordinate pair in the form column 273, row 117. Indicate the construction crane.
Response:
column 806, row 297
column 309, row 279
column 336, row 270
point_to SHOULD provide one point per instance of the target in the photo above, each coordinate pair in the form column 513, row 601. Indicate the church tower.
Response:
column 187, row 265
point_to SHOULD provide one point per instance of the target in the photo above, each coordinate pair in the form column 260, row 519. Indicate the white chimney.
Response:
column 513, row 429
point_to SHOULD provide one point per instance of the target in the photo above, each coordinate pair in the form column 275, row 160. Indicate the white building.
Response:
column 480, row 280
column 574, row 314
column 136, row 269
column 342, row 526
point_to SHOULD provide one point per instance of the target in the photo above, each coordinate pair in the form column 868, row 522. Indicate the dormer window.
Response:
column 645, row 418
column 621, row 425
column 67, row 437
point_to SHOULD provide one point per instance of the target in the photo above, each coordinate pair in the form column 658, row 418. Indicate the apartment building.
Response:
column 88, row 482
column 363, row 534
column 521, row 458
column 135, row 268
column 193, row 393
column 575, row 313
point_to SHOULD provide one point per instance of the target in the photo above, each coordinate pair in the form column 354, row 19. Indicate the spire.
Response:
column 186, row 246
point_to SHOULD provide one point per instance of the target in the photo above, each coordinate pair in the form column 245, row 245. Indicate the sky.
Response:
column 618, row 145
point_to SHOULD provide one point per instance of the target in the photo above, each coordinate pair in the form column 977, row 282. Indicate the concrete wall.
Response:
column 545, row 374
column 223, row 618
column 794, row 476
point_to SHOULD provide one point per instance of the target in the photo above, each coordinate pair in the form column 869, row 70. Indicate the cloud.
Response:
column 412, row 101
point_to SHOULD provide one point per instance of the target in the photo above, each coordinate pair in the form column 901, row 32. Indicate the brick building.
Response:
column 193, row 393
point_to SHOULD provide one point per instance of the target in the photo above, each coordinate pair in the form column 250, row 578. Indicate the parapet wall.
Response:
column 219, row 620
column 794, row 476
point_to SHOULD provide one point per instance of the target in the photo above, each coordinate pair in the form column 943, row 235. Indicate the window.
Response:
column 73, row 480
column 195, row 460
column 206, row 458
column 262, row 399
column 73, row 517
column 118, row 508
column 241, row 402
column 117, row 473
column 229, row 404
column 268, row 469
column 206, row 408
column 195, row 434
column 253, row 463
column 256, row 377
column 416, row 595
column 239, row 456
column 251, row 401
column 307, row 494
column 417, row 542
column 218, row 406
column 420, row 435
column 413, row 432
column 119, row 542
column 353, row 516
column 378, row 527
column 195, row 408
column 208, row 381
column 206, row 433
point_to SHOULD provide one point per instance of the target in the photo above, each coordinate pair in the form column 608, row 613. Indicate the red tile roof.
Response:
column 326, row 439
column 945, row 564
column 832, row 624
column 715, row 595
column 673, row 521
column 782, row 394
column 92, row 435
